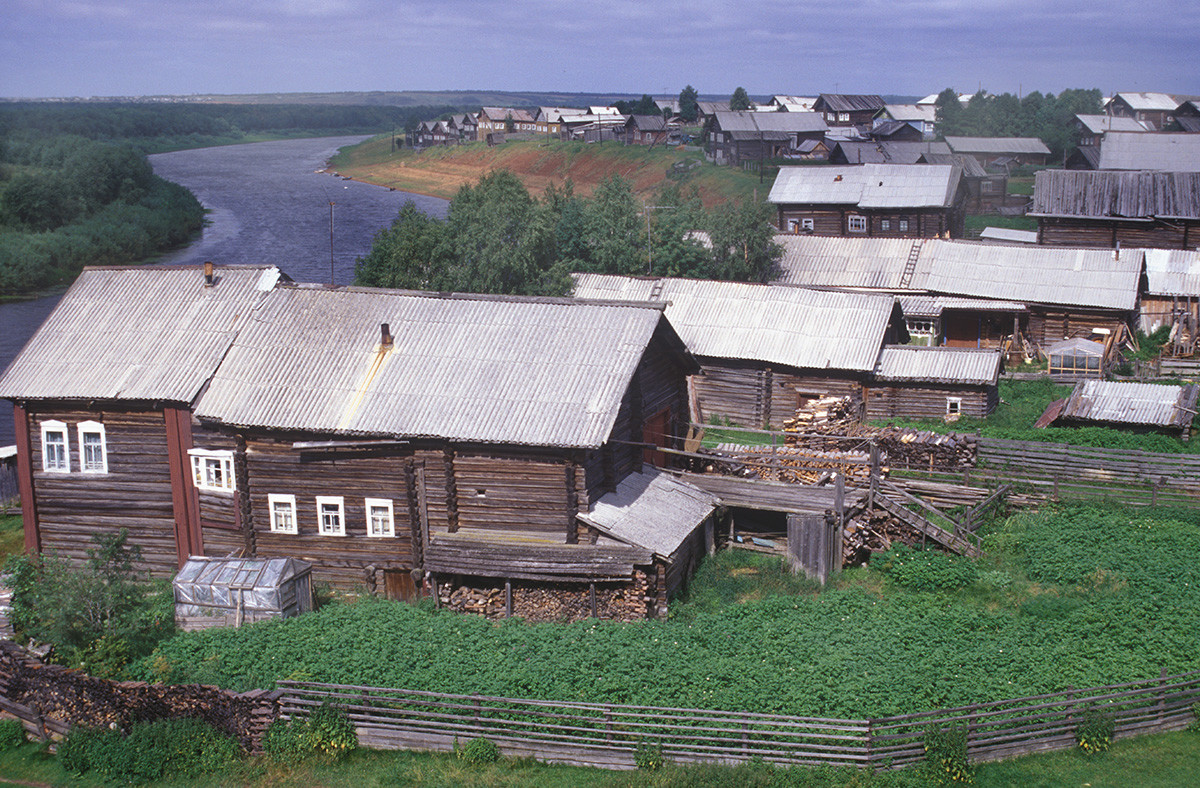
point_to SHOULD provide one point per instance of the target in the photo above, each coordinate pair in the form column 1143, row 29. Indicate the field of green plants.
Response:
column 1076, row 596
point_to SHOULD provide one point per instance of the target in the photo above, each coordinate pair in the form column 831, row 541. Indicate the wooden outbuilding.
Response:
column 916, row 382
column 736, row 137
column 986, row 192
column 764, row 351
column 1001, row 152
column 884, row 151
column 1115, row 209
column 871, row 200
column 1143, row 406
column 847, row 109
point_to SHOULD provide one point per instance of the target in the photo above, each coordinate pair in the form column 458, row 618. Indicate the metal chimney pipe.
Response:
column 208, row 274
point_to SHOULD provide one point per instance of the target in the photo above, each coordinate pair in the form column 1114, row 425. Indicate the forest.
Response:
column 1042, row 115
column 497, row 238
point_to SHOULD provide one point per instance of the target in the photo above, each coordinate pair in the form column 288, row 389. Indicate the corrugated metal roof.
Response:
column 1008, row 235
column 1173, row 272
column 903, row 363
column 1026, row 273
column 1132, row 403
column 868, row 185
column 911, row 112
column 137, row 333
column 779, row 325
column 890, row 151
column 1107, row 195
column 761, row 122
column 1100, row 124
column 971, row 168
column 1175, row 152
column 652, row 510
column 1000, row 145
column 851, row 102
column 543, row 372
column 1152, row 102
column 934, row 305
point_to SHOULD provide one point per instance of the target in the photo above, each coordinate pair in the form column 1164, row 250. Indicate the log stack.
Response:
column 561, row 602
column 824, row 414
column 899, row 447
column 874, row 531
column 792, row 464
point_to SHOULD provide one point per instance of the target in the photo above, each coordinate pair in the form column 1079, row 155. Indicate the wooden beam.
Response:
column 33, row 538
column 185, row 502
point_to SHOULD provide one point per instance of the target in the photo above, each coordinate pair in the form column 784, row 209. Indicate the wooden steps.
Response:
column 963, row 544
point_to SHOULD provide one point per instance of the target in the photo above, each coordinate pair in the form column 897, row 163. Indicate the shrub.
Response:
column 12, row 734
column 946, row 757
column 151, row 751
column 326, row 734
column 648, row 757
column 1095, row 732
column 480, row 751
column 927, row 570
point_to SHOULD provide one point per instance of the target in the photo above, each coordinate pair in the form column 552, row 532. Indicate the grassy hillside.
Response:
column 538, row 163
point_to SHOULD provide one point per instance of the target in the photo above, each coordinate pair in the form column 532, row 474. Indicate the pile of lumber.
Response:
column 824, row 414
column 899, row 447
column 562, row 602
column 791, row 464
column 874, row 531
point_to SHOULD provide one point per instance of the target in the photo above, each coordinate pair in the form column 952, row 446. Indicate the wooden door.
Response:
column 656, row 430
column 399, row 584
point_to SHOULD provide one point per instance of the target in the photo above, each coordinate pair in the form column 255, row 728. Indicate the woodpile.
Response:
column 561, row 602
column 792, row 464
column 874, row 531
column 66, row 698
column 825, row 413
column 899, row 447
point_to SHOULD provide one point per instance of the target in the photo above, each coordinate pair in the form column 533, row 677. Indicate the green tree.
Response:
column 948, row 111
column 689, row 108
column 614, row 230
column 414, row 253
column 740, row 100
column 743, row 241
column 644, row 106
column 677, row 244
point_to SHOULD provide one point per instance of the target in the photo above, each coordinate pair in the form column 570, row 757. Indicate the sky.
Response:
column 83, row 48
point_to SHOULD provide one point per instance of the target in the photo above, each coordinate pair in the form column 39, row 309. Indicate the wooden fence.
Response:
column 609, row 735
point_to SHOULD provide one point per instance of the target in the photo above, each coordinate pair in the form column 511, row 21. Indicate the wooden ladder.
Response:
column 961, row 541
column 910, row 266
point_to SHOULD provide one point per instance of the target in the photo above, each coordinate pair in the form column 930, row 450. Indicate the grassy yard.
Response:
column 1158, row 761
column 12, row 535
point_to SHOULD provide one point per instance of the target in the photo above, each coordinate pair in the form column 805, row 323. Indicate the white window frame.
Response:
column 856, row 224
column 903, row 225
column 885, row 225
column 276, row 526
column 380, row 503
column 844, row 117
column 953, row 405
column 87, row 465
column 339, row 525
column 203, row 461
column 56, row 427
column 808, row 224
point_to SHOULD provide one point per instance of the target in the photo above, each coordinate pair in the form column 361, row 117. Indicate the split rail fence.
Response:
column 609, row 735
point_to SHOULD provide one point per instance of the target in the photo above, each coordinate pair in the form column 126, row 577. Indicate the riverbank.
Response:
column 441, row 172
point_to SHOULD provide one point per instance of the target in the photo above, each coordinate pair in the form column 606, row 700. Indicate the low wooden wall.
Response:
column 608, row 735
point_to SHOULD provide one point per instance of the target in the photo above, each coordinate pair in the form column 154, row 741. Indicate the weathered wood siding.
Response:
column 1063, row 231
column 135, row 493
column 835, row 221
column 896, row 400
column 1047, row 325
column 756, row 396
column 515, row 491
column 274, row 467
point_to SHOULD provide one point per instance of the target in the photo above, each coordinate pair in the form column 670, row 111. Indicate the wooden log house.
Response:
column 764, row 351
column 917, row 382
column 102, row 398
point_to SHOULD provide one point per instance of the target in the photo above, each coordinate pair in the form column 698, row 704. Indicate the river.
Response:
column 267, row 204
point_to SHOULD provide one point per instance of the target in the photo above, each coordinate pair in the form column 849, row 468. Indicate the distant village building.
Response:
column 1001, row 152
column 847, row 109
column 735, row 137
column 1155, row 110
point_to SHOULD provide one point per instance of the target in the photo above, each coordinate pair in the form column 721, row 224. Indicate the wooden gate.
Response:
column 814, row 545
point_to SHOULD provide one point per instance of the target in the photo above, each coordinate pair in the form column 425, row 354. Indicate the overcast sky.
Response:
column 52, row 48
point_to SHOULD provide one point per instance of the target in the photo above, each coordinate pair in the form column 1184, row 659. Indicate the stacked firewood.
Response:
column 874, row 531
column 792, row 464
column 823, row 414
column 898, row 446
column 553, row 601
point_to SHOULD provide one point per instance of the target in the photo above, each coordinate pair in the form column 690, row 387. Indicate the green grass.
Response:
column 975, row 223
column 12, row 535
column 1021, row 184
column 1157, row 761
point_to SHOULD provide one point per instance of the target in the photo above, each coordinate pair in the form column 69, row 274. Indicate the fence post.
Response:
column 870, row 743
column 1056, row 487
column 607, row 724
column 1162, row 694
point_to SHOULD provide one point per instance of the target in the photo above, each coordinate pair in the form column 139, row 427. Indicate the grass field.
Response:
column 12, row 535
column 440, row 172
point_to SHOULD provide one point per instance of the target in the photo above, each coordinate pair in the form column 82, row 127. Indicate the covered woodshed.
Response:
column 1146, row 406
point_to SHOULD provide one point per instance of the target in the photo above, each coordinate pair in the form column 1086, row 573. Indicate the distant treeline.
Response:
column 1042, row 115
column 165, row 126
column 67, row 202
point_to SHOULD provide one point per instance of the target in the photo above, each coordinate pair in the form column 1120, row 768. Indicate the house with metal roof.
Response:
column 1187, row 117
column 1156, row 110
column 1175, row 152
column 1105, row 208
column 644, row 130
column 1146, row 406
column 1091, row 129
column 911, row 381
column 763, row 350
column 922, row 117
column 1036, row 294
column 734, row 137
column 871, row 200
column 848, row 109
column 1002, row 152
column 986, row 192
column 103, row 396
column 1172, row 294
column 883, row 151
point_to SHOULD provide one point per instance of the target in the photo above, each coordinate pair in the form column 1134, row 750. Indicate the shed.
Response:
column 1076, row 358
column 222, row 592
column 912, row 381
column 1119, row 403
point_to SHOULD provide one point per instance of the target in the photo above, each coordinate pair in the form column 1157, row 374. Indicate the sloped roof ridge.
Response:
column 446, row 295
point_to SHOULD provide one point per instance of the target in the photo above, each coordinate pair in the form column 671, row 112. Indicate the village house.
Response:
column 846, row 109
column 894, row 131
column 1187, row 117
column 883, row 151
column 1172, row 294
column 764, row 351
column 1090, row 129
column 1155, row 110
column 551, row 120
column 871, row 200
column 791, row 103
column 487, row 440
column 645, row 130
column 497, row 120
column 1001, row 152
column 915, row 382
column 977, row 295
column 103, row 396
column 1169, row 152
column 1113, row 209
column 467, row 126
column 734, row 137
column 921, row 117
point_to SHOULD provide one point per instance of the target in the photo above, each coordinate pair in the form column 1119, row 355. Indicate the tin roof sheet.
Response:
column 1100, row 124
column 1175, row 152
column 1151, row 102
column 892, row 152
column 820, row 261
column 137, row 333
column 1173, row 272
column 1008, row 235
column 934, row 305
column 911, row 112
column 901, row 363
column 1132, row 403
column 544, row 372
column 851, row 102
column 999, row 145
column 652, row 510
column 779, row 325
column 868, row 185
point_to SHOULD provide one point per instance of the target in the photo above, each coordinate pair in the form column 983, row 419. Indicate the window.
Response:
column 93, row 454
column 283, row 513
column 885, row 224
column 857, row 224
column 55, row 455
column 843, row 116
column 212, row 470
column 985, row 187
column 904, row 225
column 379, row 517
column 331, row 520
column 953, row 405
column 807, row 225
column 793, row 225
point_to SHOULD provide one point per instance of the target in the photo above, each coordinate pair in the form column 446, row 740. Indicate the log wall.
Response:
column 759, row 397
column 511, row 490
column 135, row 493
column 1177, row 234
column 884, row 401
column 1047, row 326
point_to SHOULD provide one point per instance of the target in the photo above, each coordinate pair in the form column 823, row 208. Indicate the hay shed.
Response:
column 1075, row 359
column 221, row 592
